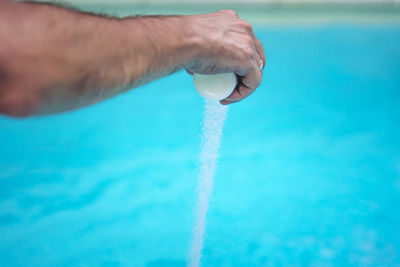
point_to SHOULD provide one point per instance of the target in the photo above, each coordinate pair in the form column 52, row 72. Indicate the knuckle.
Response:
column 248, row 41
column 248, row 52
column 230, row 12
column 242, row 57
column 245, row 25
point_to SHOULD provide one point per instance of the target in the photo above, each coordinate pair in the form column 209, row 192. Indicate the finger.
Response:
column 239, row 93
column 251, row 80
column 260, row 52
column 226, row 102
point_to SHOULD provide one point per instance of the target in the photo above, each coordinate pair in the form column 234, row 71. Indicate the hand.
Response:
column 227, row 44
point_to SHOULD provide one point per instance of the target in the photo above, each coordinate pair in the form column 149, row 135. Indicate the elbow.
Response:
column 16, row 103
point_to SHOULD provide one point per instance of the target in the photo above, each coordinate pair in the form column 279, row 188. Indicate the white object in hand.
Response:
column 215, row 86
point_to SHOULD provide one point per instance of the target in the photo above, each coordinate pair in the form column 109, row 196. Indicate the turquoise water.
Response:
column 309, row 173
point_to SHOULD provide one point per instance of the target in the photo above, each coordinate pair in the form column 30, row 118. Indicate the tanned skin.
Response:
column 54, row 59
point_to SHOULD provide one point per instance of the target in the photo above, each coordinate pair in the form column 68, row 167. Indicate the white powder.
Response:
column 213, row 121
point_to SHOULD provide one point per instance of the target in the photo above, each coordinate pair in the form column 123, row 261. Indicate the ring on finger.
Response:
column 260, row 68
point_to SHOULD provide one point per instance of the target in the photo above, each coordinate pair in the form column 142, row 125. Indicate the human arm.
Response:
column 54, row 59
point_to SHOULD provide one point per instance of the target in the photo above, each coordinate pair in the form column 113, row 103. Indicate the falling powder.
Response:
column 213, row 121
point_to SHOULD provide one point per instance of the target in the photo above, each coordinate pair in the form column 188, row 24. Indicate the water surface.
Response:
column 309, row 170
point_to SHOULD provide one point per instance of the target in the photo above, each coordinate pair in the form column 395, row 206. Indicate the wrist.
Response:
column 169, row 41
column 193, row 40
column 187, row 43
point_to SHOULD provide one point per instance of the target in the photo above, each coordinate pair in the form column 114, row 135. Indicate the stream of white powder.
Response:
column 213, row 122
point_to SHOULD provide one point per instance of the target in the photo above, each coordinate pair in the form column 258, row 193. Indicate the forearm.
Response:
column 60, row 60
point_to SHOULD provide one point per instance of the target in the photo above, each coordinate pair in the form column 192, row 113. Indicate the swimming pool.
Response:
column 309, row 171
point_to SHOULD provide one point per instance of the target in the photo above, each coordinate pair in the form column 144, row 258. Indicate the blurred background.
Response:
column 255, row 11
column 309, row 169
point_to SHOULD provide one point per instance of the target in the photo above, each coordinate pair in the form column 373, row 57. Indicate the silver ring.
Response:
column 260, row 68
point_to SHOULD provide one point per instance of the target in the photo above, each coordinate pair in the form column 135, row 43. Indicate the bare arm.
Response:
column 53, row 59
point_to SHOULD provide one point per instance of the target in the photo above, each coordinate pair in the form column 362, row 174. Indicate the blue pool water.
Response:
column 309, row 172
